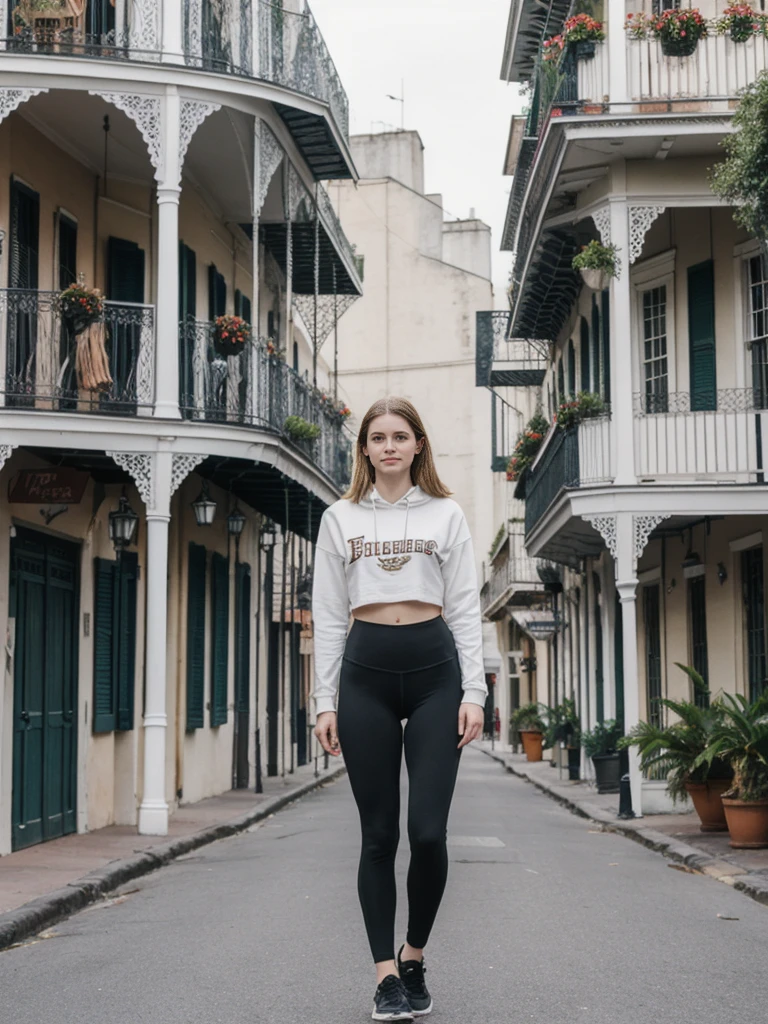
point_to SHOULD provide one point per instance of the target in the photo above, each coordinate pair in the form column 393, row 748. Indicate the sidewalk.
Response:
column 676, row 836
column 44, row 883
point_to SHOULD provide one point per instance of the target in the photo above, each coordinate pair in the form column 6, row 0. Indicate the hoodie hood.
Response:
column 413, row 497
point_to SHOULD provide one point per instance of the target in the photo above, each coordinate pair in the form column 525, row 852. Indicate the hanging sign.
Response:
column 40, row 486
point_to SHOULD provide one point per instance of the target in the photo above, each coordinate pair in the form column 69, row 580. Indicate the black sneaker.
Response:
column 412, row 975
column 390, row 1001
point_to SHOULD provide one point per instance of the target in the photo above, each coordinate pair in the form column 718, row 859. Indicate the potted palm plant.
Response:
column 678, row 750
column 601, row 744
column 740, row 738
column 529, row 722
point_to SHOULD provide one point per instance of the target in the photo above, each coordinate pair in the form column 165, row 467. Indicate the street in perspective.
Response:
column 383, row 511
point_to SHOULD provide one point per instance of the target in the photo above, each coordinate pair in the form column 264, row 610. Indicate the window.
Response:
column 596, row 346
column 655, row 367
column 573, row 386
column 584, row 355
column 242, row 305
column 219, row 638
column 217, row 293
column 114, row 642
column 560, row 380
column 757, row 328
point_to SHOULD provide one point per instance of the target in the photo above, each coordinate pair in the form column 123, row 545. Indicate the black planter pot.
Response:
column 585, row 49
column 574, row 763
column 679, row 47
column 607, row 772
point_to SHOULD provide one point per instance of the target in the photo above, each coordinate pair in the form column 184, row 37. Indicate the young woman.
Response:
column 396, row 553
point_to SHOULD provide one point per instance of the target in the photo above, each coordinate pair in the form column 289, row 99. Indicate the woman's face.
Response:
column 391, row 446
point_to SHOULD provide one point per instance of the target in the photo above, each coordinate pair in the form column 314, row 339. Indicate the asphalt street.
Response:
column 546, row 920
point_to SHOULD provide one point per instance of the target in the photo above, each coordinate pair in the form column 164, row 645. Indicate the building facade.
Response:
column 169, row 154
column 653, row 511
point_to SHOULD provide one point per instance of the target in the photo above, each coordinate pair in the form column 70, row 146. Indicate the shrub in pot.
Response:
column 678, row 750
column 529, row 722
column 601, row 744
column 740, row 738
column 597, row 264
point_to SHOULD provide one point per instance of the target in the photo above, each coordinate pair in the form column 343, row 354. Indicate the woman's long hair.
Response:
column 423, row 470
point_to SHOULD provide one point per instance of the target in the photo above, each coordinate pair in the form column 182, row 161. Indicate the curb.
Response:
column 27, row 920
column 752, row 884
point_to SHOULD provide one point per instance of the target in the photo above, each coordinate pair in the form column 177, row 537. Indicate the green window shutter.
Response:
column 701, row 335
column 217, row 293
column 124, row 635
column 572, row 385
column 196, row 636
column 187, row 282
column 104, row 709
column 560, row 380
column 125, row 271
column 605, row 301
column 220, row 638
column 242, row 635
column 242, row 306
column 596, row 381
column 584, row 353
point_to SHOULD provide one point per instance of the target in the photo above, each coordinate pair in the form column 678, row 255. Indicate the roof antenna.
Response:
column 401, row 100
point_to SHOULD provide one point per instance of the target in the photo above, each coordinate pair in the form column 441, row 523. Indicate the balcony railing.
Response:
column 257, row 389
column 503, row 361
column 253, row 38
column 41, row 356
column 569, row 458
column 729, row 443
column 513, row 571
column 111, row 29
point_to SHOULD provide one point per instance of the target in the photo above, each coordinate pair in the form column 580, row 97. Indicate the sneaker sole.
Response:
column 391, row 1016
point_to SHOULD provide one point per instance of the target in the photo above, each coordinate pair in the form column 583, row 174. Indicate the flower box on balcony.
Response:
column 231, row 335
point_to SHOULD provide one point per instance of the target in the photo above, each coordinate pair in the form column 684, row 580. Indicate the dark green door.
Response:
column 599, row 674
column 44, row 603
column 67, row 277
column 125, row 284
column 753, row 592
column 652, row 621
column 242, row 671
column 701, row 335
column 23, row 278
column 187, row 332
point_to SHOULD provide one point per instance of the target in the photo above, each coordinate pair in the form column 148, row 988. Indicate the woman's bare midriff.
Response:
column 400, row 613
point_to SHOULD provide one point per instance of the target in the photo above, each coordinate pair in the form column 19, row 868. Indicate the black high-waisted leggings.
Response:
column 391, row 673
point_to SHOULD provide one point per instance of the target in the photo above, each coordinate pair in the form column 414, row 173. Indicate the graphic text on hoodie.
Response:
column 401, row 549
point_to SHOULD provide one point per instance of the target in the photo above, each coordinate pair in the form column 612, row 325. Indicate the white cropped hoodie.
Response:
column 377, row 552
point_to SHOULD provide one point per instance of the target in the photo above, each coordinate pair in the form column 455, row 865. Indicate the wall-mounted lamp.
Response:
column 204, row 507
column 122, row 525
column 722, row 573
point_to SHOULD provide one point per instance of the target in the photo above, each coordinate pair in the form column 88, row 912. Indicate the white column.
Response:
column 622, row 400
column 153, row 812
column 168, row 194
column 173, row 31
column 585, row 669
column 608, row 613
column 626, row 584
column 617, row 52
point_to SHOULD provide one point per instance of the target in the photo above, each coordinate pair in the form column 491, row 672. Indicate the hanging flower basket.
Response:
column 597, row 264
column 585, row 50
column 299, row 429
column 81, row 306
column 740, row 22
column 679, row 47
column 679, row 31
column 231, row 335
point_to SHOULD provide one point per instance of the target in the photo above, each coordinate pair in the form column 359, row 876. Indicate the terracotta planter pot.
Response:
column 706, row 797
column 533, row 744
column 747, row 823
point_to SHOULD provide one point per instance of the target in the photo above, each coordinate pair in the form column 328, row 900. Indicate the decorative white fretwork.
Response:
column 602, row 219
column 10, row 99
column 644, row 527
column 145, row 27
column 270, row 155
column 6, row 451
column 192, row 116
column 139, row 466
column 181, row 467
column 640, row 220
column 606, row 527
column 297, row 197
column 194, row 10
column 144, row 111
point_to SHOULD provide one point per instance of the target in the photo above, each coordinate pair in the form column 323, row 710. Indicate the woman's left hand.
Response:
column 471, row 718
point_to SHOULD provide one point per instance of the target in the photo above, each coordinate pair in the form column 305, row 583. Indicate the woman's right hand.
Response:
column 325, row 730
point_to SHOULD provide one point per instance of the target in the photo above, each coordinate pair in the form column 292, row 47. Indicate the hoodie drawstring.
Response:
column 376, row 521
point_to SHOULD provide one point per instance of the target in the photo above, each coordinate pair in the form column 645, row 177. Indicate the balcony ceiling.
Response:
column 530, row 21
column 274, row 237
column 551, row 287
column 314, row 138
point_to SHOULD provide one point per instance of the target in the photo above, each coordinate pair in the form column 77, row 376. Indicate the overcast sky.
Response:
column 448, row 52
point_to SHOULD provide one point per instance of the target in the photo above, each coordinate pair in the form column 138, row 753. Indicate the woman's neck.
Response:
column 394, row 490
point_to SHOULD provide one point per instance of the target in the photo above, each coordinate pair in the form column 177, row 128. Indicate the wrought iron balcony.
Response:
column 513, row 572
column 256, row 388
column 44, row 359
column 503, row 361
